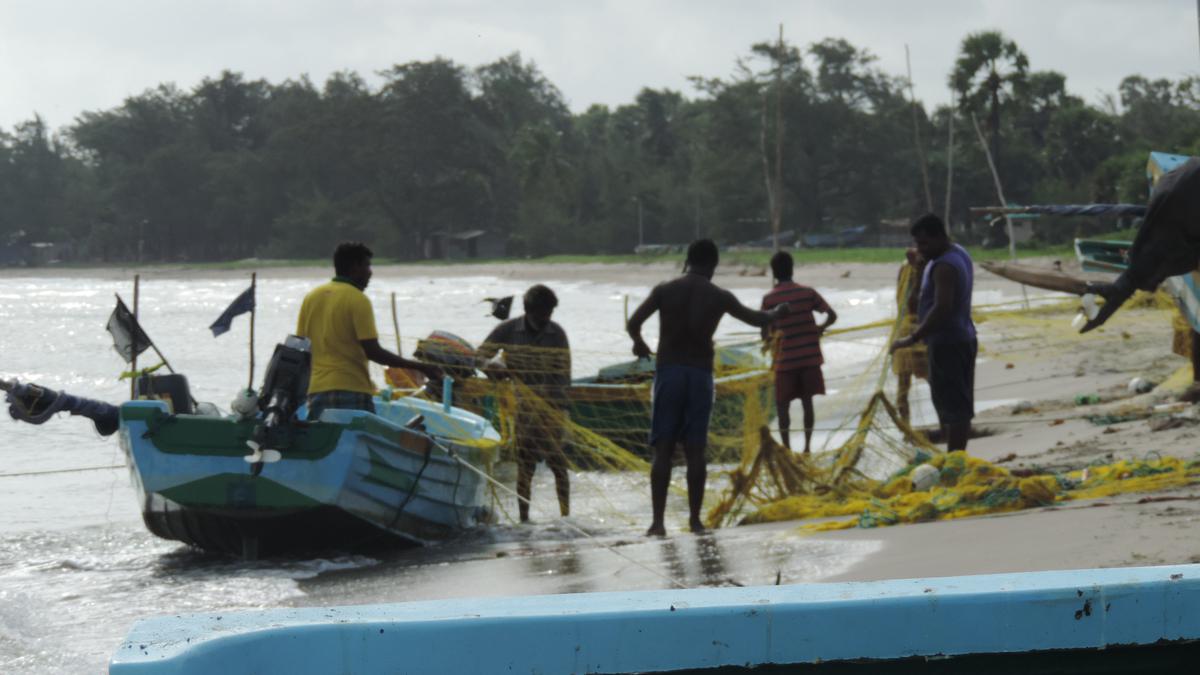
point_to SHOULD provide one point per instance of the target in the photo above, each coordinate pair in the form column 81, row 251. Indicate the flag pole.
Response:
column 137, row 326
column 253, row 306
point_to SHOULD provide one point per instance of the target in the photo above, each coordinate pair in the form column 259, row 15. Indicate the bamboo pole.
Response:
column 253, row 310
column 396, row 325
column 917, row 134
column 1012, row 242
column 777, row 215
column 950, row 159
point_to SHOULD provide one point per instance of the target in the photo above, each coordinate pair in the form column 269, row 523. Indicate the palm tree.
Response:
column 990, row 71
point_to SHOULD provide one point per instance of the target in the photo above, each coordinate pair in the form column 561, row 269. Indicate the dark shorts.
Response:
column 541, row 435
column 342, row 400
column 952, row 380
column 681, row 404
column 800, row 383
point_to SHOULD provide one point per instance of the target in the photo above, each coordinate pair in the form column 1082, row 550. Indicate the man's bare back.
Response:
column 690, row 308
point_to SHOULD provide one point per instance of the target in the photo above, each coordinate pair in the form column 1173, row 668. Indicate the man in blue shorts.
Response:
column 944, row 323
column 690, row 308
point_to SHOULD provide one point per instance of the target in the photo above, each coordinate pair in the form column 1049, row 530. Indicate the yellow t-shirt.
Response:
column 335, row 317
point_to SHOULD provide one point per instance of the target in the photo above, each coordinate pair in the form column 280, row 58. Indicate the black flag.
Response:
column 128, row 337
column 244, row 303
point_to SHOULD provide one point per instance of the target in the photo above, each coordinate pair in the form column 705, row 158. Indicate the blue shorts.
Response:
column 681, row 404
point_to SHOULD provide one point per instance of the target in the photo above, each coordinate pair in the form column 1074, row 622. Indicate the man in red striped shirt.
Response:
column 795, row 339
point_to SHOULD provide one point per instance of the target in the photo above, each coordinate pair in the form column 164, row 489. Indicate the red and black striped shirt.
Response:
column 798, row 338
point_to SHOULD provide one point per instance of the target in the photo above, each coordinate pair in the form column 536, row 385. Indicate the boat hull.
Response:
column 352, row 479
column 1083, row 621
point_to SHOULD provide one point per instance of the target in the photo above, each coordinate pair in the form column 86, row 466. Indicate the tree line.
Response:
column 819, row 137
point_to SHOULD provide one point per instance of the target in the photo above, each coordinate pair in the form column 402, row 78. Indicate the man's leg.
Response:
column 697, row 475
column 660, row 480
column 956, row 436
column 526, row 463
column 903, row 386
column 783, row 412
column 809, row 421
column 557, row 463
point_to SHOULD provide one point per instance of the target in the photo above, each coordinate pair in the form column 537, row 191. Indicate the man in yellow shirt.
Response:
column 338, row 319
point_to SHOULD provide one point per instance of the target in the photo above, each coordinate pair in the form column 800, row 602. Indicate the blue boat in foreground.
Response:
column 1103, row 620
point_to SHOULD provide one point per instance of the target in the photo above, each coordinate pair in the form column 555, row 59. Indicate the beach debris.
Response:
column 1168, row 408
column 1023, row 407
column 846, row 274
column 1172, row 422
column 1087, row 399
column 1007, row 458
column 1140, row 385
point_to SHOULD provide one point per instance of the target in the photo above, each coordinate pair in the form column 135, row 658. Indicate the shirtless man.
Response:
column 689, row 307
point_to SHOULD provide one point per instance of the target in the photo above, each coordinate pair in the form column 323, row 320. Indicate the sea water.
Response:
column 77, row 566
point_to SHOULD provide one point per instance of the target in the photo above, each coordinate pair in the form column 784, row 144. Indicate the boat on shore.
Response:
column 267, row 481
column 348, row 480
column 1128, row 620
column 1050, row 280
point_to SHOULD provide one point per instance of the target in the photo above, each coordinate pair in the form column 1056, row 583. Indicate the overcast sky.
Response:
column 60, row 58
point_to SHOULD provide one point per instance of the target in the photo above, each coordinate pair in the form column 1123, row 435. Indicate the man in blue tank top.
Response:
column 944, row 323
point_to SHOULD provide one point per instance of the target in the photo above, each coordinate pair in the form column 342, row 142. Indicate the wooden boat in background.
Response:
column 1051, row 280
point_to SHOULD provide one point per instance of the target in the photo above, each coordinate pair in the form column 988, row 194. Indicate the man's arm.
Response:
column 824, row 308
column 648, row 307
column 379, row 355
column 945, row 284
column 830, row 318
column 737, row 310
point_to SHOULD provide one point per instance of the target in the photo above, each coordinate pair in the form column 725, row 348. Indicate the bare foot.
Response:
column 656, row 530
column 696, row 527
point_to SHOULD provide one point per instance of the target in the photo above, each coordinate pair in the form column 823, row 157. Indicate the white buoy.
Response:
column 245, row 404
column 1140, row 385
column 925, row 477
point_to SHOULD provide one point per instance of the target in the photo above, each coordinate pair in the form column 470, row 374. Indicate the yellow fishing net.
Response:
column 602, row 424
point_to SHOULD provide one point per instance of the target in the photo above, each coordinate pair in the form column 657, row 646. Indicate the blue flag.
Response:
column 243, row 304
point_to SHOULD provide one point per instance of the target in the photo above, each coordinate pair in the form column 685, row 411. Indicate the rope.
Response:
column 76, row 470
column 495, row 483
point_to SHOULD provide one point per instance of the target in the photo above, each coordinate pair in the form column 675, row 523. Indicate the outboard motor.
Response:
column 282, row 394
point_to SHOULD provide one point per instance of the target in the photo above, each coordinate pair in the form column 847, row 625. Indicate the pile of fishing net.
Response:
column 868, row 480
column 967, row 486
column 602, row 424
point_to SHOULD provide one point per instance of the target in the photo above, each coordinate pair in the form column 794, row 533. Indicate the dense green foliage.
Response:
column 235, row 168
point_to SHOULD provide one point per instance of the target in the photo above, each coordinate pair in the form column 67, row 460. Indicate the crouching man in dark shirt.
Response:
column 536, row 354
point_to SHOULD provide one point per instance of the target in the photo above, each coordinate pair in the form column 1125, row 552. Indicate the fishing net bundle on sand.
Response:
column 602, row 424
